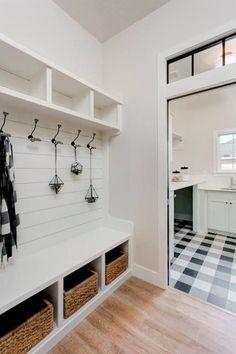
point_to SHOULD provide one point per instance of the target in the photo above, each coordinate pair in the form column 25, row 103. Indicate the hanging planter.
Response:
column 56, row 183
column 91, row 195
column 76, row 167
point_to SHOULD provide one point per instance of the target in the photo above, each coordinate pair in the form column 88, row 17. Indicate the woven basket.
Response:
column 116, row 264
column 25, row 326
column 79, row 288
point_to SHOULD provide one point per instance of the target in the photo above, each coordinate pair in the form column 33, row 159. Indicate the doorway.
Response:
column 202, row 184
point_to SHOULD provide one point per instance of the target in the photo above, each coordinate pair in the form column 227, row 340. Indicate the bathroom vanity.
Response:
column 218, row 209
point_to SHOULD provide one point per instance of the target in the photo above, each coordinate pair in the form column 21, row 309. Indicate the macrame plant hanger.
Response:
column 56, row 183
column 76, row 167
column 91, row 195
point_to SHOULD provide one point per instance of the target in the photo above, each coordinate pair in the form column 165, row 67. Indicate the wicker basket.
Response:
column 116, row 264
column 79, row 287
column 24, row 326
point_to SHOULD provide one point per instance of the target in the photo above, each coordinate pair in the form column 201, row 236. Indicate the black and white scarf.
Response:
column 9, row 217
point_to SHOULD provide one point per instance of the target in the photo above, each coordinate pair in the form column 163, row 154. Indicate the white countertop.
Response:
column 206, row 187
column 174, row 186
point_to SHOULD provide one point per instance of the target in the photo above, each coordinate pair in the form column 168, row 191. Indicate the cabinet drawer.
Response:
column 224, row 196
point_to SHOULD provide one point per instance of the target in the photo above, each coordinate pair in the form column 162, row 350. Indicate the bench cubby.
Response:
column 26, row 324
column 79, row 288
column 116, row 262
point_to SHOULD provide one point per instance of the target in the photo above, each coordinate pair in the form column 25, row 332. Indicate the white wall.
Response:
column 130, row 66
column 197, row 118
column 45, row 28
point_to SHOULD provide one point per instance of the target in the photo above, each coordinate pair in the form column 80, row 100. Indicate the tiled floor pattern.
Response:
column 205, row 266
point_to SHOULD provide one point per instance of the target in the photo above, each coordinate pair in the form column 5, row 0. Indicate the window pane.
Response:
column 208, row 59
column 230, row 51
column 180, row 69
column 226, row 152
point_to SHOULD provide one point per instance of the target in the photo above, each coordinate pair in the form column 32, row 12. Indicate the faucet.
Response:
column 232, row 182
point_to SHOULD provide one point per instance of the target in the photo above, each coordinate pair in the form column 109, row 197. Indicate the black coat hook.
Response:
column 5, row 114
column 31, row 136
column 2, row 133
column 73, row 142
column 88, row 145
column 54, row 141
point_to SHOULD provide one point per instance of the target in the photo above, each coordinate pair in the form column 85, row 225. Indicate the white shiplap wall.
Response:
column 42, row 212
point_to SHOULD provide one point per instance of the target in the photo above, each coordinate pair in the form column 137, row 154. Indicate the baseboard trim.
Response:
column 147, row 275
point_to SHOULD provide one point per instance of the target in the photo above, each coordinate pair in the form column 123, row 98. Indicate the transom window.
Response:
column 209, row 57
column 226, row 152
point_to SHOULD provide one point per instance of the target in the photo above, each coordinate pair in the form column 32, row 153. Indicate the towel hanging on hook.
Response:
column 9, row 216
column 76, row 167
column 56, row 183
column 31, row 136
column 91, row 195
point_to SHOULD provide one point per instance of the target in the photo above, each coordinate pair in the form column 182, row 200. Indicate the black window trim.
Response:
column 191, row 53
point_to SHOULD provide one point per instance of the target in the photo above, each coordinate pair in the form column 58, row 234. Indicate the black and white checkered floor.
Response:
column 205, row 266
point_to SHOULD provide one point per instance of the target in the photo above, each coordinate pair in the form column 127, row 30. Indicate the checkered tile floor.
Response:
column 205, row 266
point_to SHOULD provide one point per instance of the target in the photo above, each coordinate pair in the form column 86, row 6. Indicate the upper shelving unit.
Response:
column 32, row 82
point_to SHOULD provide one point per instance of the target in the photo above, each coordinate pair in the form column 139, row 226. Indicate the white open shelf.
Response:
column 28, row 80
column 70, row 93
column 106, row 109
column 22, row 73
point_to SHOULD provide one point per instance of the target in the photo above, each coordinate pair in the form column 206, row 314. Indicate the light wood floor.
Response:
column 141, row 318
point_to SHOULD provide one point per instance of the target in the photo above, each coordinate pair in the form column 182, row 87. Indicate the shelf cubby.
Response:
column 70, row 93
column 27, row 324
column 105, row 108
column 22, row 73
column 116, row 262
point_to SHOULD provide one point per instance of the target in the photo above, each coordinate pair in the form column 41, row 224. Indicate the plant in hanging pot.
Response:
column 76, row 167
column 56, row 183
column 91, row 195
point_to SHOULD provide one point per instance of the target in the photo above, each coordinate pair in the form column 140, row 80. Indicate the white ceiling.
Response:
column 105, row 18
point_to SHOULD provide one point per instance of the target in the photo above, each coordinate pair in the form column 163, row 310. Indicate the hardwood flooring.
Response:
column 140, row 318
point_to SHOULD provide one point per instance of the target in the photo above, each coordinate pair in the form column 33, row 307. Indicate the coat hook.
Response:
column 2, row 133
column 31, row 136
column 54, row 141
column 73, row 142
column 88, row 145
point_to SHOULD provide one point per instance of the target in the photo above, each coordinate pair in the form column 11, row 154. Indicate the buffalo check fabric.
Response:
column 205, row 266
column 9, row 217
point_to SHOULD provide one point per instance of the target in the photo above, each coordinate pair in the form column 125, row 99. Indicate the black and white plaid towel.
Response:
column 9, row 217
